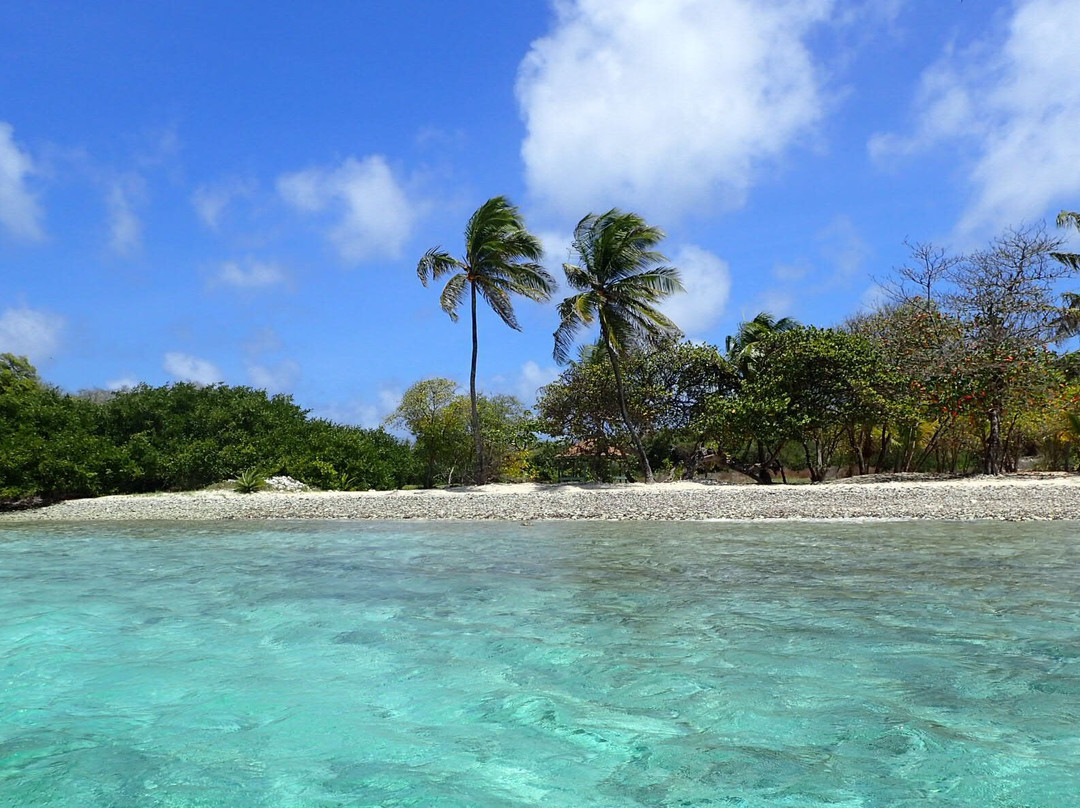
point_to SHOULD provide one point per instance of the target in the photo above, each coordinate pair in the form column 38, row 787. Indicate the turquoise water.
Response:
column 563, row 664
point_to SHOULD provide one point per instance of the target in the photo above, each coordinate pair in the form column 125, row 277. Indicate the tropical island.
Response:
column 954, row 373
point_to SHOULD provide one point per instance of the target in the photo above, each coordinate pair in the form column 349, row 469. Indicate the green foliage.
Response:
column 440, row 429
column 249, row 481
column 439, row 417
column 668, row 387
column 178, row 437
column 811, row 386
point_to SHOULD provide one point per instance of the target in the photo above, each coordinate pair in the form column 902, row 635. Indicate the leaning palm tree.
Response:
column 501, row 259
column 619, row 284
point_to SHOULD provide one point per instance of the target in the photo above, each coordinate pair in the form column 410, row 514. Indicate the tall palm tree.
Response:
column 501, row 259
column 619, row 284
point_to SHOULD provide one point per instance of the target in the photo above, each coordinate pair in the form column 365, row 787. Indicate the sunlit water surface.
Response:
column 562, row 664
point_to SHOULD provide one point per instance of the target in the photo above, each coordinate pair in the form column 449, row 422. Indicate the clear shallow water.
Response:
column 564, row 664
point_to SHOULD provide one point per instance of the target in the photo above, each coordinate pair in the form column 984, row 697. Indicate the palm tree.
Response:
column 1068, row 218
column 743, row 348
column 619, row 283
column 1066, row 320
column 1066, row 323
column 501, row 259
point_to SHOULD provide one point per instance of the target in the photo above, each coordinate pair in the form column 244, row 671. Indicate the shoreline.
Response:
column 1012, row 498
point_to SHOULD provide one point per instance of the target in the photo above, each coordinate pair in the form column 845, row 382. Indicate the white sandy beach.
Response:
column 1017, row 497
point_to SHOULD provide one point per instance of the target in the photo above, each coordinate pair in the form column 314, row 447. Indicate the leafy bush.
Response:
column 176, row 437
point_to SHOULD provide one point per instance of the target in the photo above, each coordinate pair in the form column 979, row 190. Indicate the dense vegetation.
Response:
column 178, row 437
column 956, row 371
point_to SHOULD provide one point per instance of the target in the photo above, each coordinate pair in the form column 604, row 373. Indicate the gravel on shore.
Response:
column 1004, row 498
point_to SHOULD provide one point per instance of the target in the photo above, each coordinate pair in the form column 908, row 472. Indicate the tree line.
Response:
column 954, row 371
column 55, row 445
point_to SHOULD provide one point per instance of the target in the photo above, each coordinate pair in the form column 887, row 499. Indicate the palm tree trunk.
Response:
column 480, row 479
column 622, row 405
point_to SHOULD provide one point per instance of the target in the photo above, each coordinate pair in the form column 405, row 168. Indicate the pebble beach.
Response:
column 1018, row 497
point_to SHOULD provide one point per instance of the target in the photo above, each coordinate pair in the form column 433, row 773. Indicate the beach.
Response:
column 1014, row 497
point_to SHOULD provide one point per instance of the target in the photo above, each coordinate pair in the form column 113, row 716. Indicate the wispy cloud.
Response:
column 843, row 248
column 125, row 383
column 375, row 215
column 32, row 333
column 363, row 412
column 125, row 227
column 558, row 250
column 666, row 106
column 211, row 200
column 20, row 214
column 534, row 376
column 1012, row 103
column 280, row 377
column 250, row 274
column 186, row 368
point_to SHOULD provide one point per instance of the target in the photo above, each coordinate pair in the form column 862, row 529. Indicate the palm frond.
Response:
column 531, row 280
column 622, row 269
column 500, row 303
column 1069, row 218
column 575, row 313
column 650, row 324
column 435, row 263
column 577, row 278
column 1066, row 320
column 651, row 284
column 453, row 294
column 1072, row 260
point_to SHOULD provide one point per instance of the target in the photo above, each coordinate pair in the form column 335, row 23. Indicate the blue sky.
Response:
column 240, row 192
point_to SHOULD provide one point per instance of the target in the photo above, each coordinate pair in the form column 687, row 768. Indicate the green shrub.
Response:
column 249, row 482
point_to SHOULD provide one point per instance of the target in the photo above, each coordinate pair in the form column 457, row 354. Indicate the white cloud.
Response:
column 250, row 274
column 665, row 105
column 878, row 12
column 389, row 398
column 277, row 378
column 707, row 280
column 533, row 377
column 558, row 250
column 186, row 368
column 211, row 201
column 873, row 298
column 1016, row 105
column 776, row 302
column 125, row 229
column 376, row 215
column 363, row 413
column 125, row 383
column 31, row 333
column 20, row 213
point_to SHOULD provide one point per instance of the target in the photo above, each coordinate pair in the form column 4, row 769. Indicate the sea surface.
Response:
column 296, row 664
